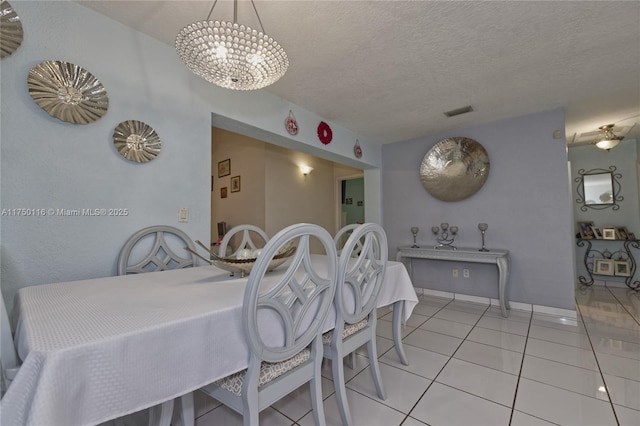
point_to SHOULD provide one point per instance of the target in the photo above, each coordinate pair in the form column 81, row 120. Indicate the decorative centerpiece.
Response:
column 245, row 259
column 414, row 231
column 483, row 228
column 443, row 237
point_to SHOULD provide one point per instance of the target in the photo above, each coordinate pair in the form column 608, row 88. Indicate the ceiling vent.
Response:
column 459, row 111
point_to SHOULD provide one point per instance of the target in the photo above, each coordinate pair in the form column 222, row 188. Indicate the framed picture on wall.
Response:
column 622, row 233
column 223, row 192
column 235, row 184
column 224, row 168
column 603, row 267
column 609, row 233
column 622, row 268
column 586, row 230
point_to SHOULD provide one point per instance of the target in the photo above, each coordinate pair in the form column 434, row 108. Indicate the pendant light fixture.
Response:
column 607, row 139
column 231, row 55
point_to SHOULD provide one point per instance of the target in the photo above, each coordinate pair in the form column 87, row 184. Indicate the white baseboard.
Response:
column 519, row 306
column 547, row 310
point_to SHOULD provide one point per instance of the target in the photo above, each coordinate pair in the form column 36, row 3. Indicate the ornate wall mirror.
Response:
column 599, row 189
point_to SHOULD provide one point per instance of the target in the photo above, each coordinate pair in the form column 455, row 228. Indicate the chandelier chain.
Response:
column 211, row 11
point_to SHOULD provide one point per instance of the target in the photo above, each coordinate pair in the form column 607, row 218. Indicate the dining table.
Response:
column 99, row 349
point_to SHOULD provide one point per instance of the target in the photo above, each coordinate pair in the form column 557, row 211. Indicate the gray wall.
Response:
column 524, row 201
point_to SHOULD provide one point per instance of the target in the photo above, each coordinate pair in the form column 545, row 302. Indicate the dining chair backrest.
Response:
column 361, row 268
column 283, row 316
column 343, row 234
column 360, row 276
column 8, row 357
column 248, row 234
column 156, row 248
column 300, row 298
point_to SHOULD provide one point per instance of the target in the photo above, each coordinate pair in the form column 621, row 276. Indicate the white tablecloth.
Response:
column 98, row 349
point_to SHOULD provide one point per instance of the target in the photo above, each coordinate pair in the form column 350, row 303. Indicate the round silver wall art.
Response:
column 67, row 92
column 10, row 30
column 136, row 141
column 454, row 169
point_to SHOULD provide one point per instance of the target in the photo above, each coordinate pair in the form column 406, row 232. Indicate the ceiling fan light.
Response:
column 607, row 144
column 607, row 139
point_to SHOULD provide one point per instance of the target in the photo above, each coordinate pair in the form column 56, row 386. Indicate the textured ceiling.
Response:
column 389, row 69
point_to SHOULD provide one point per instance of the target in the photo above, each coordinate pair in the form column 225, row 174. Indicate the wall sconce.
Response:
column 305, row 170
column 607, row 139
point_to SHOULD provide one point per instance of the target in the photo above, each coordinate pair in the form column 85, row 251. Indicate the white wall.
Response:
column 47, row 163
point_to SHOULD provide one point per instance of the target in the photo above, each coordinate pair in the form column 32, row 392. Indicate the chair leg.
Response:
column 337, row 366
column 160, row 415
column 250, row 410
column 316, row 395
column 185, row 413
column 375, row 368
column 351, row 360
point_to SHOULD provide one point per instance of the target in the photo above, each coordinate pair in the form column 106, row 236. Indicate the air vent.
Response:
column 459, row 111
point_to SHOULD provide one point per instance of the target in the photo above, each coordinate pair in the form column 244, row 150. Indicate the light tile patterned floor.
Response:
column 469, row 366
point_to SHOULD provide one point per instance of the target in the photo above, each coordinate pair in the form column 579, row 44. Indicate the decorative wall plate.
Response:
column 67, row 92
column 136, row 141
column 324, row 133
column 454, row 169
column 291, row 124
column 357, row 151
column 10, row 30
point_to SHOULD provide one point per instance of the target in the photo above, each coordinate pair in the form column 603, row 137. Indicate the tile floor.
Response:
column 470, row 366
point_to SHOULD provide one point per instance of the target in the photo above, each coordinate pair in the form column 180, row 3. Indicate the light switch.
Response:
column 183, row 216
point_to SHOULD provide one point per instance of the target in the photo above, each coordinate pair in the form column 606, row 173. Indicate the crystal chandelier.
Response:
column 230, row 55
column 607, row 139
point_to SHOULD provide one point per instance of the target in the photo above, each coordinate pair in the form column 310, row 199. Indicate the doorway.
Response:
column 350, row 203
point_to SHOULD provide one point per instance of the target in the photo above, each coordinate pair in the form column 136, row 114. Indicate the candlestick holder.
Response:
column 414, row 231
column 483, row 228
column 445, row 235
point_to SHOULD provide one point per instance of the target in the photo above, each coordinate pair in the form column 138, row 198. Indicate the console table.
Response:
column 498, row 257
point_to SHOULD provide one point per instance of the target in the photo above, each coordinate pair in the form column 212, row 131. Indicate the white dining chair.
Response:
column 156, row 248
column 342, row 235
column 8, row 357
column 283, row 317
column 250, row 235
column 151, row 249
column 359, row 282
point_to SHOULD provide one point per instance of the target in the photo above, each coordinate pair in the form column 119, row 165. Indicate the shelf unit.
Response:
column 622, row 250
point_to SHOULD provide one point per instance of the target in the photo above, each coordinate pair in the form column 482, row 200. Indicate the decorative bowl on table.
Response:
column 244, row 261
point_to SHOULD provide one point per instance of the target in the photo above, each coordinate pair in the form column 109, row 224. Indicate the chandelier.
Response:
column 607, row 139
column 230, row 55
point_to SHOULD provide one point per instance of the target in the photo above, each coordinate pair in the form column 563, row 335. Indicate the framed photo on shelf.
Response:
column 224, row 168
column 608, row 233
column 597, row 232
column 586, row 230
column 235, row 184
column 621, row 268
column 632, row 236
column 622, row 233
column 603, row 267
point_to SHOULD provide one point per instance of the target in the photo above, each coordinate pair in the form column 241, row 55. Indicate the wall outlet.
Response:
column 183, row 214
column 465, row 273
column 454, row 273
